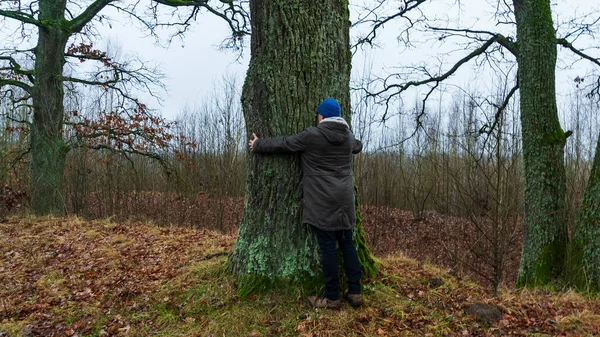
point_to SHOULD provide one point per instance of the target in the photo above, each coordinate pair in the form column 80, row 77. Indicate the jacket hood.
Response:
column 335, row 130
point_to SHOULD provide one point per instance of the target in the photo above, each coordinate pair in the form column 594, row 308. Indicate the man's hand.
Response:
column 251, row 142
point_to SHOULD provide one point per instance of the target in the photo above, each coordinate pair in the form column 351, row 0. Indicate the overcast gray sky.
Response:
column 193, row 65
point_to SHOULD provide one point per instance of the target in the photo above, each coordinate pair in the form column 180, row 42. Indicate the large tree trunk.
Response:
column 47, row 145
column 299, row 56
column 545, row 229
column 583, row 266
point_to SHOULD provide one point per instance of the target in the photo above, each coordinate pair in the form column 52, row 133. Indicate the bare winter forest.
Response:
column 445, row 192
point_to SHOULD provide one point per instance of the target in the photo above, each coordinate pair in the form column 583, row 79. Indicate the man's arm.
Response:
column 356, row 145
column 281, row 144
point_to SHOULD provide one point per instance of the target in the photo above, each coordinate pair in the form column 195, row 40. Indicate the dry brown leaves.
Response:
column 69, row 277
column 52, row 268
column 428, row 311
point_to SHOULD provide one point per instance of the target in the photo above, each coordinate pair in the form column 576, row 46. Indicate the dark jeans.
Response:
column 327, row 241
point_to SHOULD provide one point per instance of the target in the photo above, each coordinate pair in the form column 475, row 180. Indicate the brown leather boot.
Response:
column 355, row 300
column 323, row 302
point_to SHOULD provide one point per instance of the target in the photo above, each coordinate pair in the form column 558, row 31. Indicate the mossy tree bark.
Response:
column 48, row 149
column 299, row 56
column 545, row 229
column 583, row 264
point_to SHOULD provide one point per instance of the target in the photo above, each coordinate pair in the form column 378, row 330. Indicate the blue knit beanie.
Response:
column 329, row 108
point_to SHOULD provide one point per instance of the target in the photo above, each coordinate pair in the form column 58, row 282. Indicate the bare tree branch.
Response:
column 17, row 69
column 377, row 23
column 89, row 82
column 500, row 109
column 90, row 13
column 20, row 16
column 235, row 15
column 88, row 57
column 132, row 13
column 182, row 3
column 4, row 81
column 568, row 45
column 436, row 79
column 595, row 91
column 153, row 155
column 20, row 121
column 15, row 161
column 582, row 27
column 506, row 42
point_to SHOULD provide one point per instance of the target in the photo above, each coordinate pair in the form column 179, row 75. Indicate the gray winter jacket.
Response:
column 328, row 188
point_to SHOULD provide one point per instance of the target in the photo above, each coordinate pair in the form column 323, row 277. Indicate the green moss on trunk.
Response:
column 545, row 225
column 48, row 150
column 366, row 259
column 583, row 262
column 543, row 269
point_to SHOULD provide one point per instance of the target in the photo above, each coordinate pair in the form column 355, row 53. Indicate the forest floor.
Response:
column 457, row 244
column 71, row 277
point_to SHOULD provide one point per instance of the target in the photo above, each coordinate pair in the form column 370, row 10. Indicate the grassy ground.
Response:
column 69, row 277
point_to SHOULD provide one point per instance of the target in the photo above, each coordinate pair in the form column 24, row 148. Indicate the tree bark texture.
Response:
column 47, row 145
column 299, row 56
column 545, row 225
column 583, row 265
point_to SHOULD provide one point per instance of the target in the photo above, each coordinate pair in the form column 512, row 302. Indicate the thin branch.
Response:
column 88, row 15
column 88, row 82
column 182, row 3
column 595, row 91
column 239, row 29
column 10, row 94
column 165, row 164
column 378, row 23
column 568, row 45
column 500, row 110
column 506, row 42
column 20, row 121
column 88, row 57
column 234, row 29
column 582, row 27
column 15, row 161
column 15, row 83
column 437, row 79
column 20, row 16
column 132, row 13
column 424, row 101
column 17, row 69
column 113, row 134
